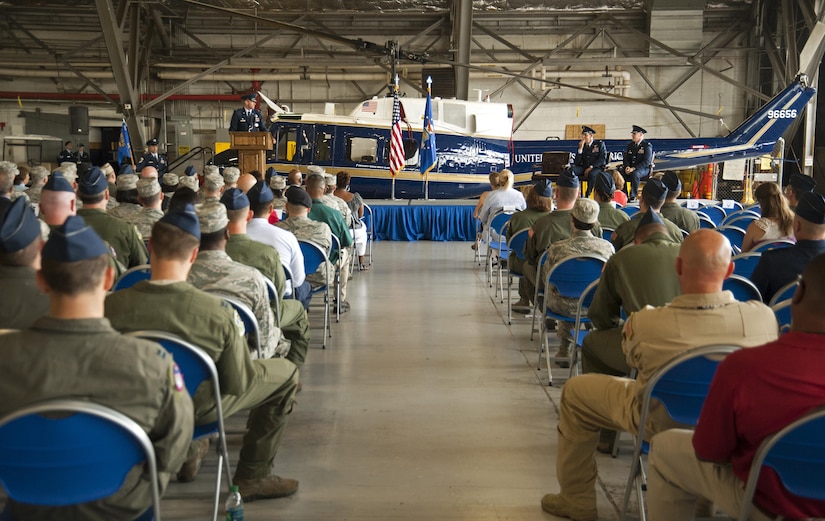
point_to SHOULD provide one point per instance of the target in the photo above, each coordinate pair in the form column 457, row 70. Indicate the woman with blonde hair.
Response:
column 493, row 177
column 776, row 221
column 504, row 198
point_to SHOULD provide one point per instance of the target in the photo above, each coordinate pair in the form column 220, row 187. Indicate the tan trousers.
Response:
column 676, row 479
column 344, row 262
column 602, row 353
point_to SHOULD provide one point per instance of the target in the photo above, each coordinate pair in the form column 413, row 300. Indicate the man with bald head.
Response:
column 57, row 200
column 703, row 314
column 739, row 413
column 148, row 172
column 246, row 181
column 295, row 178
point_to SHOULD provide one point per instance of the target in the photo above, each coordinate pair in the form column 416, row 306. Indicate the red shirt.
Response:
column 273, row 217
column 620, row 198
column 755, row 393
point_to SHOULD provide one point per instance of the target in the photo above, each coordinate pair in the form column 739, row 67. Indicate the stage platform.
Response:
column 418, row 219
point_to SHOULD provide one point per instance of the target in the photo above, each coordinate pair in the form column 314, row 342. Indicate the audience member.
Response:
column 539, row 203
column 776, row 221
column 620, row 195
column 278, row 184
column 57, row 200
column 798, row 185
column 231, row 175
column 356, row 206
column 685, row 219
column 246, row 181
column 505, row 197
column 39, row 176
column 609, row 216
column 151, row 202
column 213, row 187
column 127, row 197
column 184, row 196
column 298, row 204
column 653, row 197
column 295, row 178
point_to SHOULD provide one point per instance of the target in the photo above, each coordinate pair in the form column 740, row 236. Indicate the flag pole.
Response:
column 427, row 173
column 392, row 174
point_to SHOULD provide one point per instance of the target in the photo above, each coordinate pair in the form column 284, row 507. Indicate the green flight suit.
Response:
column 85, row 359
column 521, row 221
column 22, row 301
column 267, row 386
column 635, row 277
column 119, row 234
column 685, row 219
column 293, row 317
column 625, row 232
column 610, row 216
column 553, row 227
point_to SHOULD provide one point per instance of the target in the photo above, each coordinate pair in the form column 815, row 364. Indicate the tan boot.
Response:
column 558, row 505
column 189, row 470
column 270, row 487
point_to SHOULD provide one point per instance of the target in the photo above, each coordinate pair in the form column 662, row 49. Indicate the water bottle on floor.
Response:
column 234, row 505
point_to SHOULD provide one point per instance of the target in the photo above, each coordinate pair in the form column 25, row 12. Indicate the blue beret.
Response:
column 251, row 96
column 651, row 217
column 802, row 182
column 126, row 169
column 297, row 195
column 543, row 187
column 568, row 180
column 185, row 219
column 656, row 188
column 235, row 199
column 74, row 241
column 19, row 226
column 811, row 207
column 152, row 143
column 587, row 130
column 93, row 182
column 672, row 181
column 260, row 193
column 637, row 128
column 58, row 183
column 603, row 182
column 190, row 171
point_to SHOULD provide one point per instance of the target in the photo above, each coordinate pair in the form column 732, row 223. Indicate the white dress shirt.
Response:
column 285, row 242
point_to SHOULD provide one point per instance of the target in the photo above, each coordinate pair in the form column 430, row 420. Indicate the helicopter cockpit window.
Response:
column 287, row 143
column 362, row 149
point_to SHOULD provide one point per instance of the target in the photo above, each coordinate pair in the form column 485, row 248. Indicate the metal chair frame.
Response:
column 782, row 312
column 744, row 263
column 784, row 293
column 132, row 276
column 315, row 256
column 585, row 299
column 370, row 229
column 515, row 246
column 497, row 222
column 737, row 283
column 252, row 329
column 735, row 235
column 772, row 245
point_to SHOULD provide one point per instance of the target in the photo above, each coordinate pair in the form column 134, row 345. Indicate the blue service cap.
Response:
column 543, row 187
column 805, row 183
column 235, row 199
column 637, row 128
column 672, row 181
column 184, row 218
column 603, row 182
column 58, row 183
column 74, row 241
column 249, row 97
column 190, row 171
column 152, row 143
column 655, row 188
column 269, row 173
column 260, row 193
column 811, row 207
column 651, row 217
column 587, row 130
column 567, row 180
column 93, row 182
column 18, row 226
column 126, row 169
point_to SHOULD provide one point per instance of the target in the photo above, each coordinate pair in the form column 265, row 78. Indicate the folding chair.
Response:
column 288, row 278
column 570, row 276
column 715, row 213
column 782, row 312
column 315, row 258
column 336, row 247
column 745, row 263
column 275, row 304
column 585, row 300
column 746, row 216
column 705, row 221
column 82, row 455
column 784, row 293
column 735, row 235
column 197, row 368
column 797, row 456
column 497, row 223
column 607, row 233
column 250, row 322
column 369, row 222
column 515, row 246
column 773, row 245
column 500, row 259
column 539, row 292
column 132, row 276
column 681, row 385
column 630, row 210
column 743, row 290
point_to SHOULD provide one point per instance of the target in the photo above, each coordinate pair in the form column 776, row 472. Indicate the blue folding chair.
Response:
column 315, row 258
column 743, row 290
column 585, row 300
column 744, row 263
column 336, row 247
column 681, row 386
column 705, row 221
column 250, row 322
column 197, row 368
column 81, row 452
column 369, row 222
column 515, row 246
column 797, row 456
column 132, row 276
column 782, row 312
column 571, row 276
column 735, row 235
column 715, row 213
column 747, row 216
column 500, row 259
column 539, row 293
column 630, row 210
column 784, row 293
column 607, row 233
column 497, row 224
column 773, row 245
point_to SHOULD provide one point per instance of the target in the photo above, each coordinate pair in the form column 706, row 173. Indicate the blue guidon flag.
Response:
column 427, row 154
column 124, row 146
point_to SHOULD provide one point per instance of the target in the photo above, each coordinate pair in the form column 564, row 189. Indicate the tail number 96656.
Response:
column 782, row 114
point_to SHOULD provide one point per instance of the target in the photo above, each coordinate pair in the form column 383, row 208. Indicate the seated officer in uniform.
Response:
column 74, row 353
column 153, row 158
column 609, row 215
column 57, row 200
column 687, row 220
column 781, row 266
column 551, row 228
column 298, row 204
column 539, row 199
column 591, row 158
column 20, row 243
column 797, row 185
column 703, row 314
column 653, row 197
column 637, row 160
column 168, row 303
column 739, row 413
column 242, row 248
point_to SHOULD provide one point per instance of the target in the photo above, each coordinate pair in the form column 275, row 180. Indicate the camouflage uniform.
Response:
column 145, row 219
column 625, row 232
column 215, row 271
column 293, row 317
column 279, row 204
column 125, row 211
column 323, row 213
column 685, row 219
column 306, row 229
column 520, row 221
column 120, row 235
column 33, row 193
column 333, row 201
column 610, row 216
column 580, row 243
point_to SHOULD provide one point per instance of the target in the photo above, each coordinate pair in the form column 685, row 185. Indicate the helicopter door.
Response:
column 324, row 144
column 287, row 145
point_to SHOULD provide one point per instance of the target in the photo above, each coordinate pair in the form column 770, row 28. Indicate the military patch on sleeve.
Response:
column 178, row 377
column 239, row 323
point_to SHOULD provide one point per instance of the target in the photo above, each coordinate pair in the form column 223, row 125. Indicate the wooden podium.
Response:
column 251, row 147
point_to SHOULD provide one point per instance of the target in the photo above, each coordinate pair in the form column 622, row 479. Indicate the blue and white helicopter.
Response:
column 474, row 139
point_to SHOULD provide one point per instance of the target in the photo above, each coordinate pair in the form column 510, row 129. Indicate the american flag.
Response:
column 397, row 158
column 369, row 106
